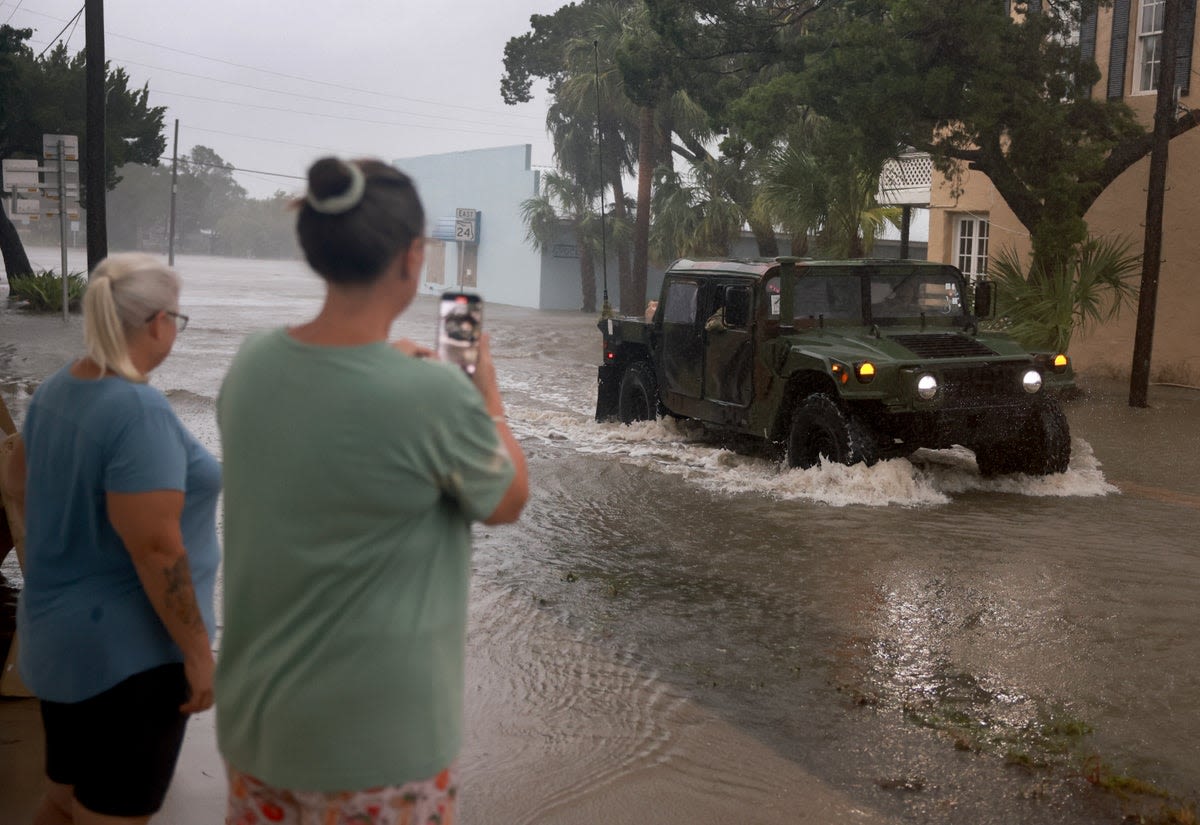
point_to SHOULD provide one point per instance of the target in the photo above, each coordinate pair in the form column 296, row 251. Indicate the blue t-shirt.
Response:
column 84, row 621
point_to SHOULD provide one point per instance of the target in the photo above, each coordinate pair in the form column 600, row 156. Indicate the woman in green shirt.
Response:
column 353, row 470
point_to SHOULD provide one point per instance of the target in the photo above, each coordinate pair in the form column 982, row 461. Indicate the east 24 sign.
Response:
column 466, row 225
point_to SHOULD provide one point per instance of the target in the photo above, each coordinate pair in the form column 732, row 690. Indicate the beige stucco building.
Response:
column 967, row 229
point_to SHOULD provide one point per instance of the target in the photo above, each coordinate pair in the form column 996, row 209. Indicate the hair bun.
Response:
column 335, row 186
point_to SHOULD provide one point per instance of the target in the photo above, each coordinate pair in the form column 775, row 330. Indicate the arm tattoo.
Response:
column 180, row 595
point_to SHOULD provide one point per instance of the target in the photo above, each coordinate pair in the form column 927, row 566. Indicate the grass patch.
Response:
column 1123, row 785
column 42, row 291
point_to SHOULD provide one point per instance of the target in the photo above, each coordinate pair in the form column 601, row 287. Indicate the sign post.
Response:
column 62, row 222
column 466, row 230
column 62, row 148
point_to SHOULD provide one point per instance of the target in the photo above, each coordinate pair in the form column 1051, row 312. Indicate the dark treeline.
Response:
column 213, row 213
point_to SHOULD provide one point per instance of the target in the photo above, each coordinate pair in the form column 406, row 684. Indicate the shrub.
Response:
column 42, row 291
column 1043, row 309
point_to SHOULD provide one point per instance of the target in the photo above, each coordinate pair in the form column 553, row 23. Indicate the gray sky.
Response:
column 272, row 85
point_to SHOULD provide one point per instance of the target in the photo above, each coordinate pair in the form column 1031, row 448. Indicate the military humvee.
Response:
column 846, row 361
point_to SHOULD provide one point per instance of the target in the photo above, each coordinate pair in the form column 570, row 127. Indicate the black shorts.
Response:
column 118, row 749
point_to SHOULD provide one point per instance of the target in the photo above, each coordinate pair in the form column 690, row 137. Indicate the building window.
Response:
column 972, row 245
column 1148, row 53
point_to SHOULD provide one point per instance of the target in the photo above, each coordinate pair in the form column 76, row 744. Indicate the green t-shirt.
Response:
column 352, row 475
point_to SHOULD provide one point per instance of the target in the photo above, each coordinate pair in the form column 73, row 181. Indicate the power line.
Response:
column 263, row 139
column 291, row 76
column 307, row 79
column 338, row 117
column 74, row 19
column 14, row 11
column 300, row 95
column 72, row 34
column 191, row 162
column 499, row 126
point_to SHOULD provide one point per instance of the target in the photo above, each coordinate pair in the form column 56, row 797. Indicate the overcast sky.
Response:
column 273, row 84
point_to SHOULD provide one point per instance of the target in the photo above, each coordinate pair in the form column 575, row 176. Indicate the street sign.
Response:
column 466, row 225
column 27, row 206
column 21, row 175
column 70, row 147
column 50, row 179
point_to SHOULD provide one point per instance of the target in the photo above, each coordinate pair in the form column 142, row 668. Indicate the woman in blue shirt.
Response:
column 116, row 616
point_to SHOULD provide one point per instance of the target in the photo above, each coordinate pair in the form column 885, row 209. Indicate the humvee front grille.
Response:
column 982, row 384
column 942, row 345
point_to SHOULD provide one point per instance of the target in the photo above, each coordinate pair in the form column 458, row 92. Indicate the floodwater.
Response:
column 939, row 647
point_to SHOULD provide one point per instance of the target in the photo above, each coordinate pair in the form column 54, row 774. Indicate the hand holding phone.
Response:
column 460, row 323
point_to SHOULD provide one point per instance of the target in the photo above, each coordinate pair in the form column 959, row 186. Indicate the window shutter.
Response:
column 1116, row 53
column 1183, row 52
column 1087, row 35
column 1035, row 6
column 1008, row 8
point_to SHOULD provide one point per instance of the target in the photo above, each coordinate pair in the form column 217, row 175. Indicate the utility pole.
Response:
column 174, row 183
column 1164, row 119
column 93, row 152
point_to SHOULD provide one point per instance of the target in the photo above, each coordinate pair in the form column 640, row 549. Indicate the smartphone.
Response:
column 460, row 323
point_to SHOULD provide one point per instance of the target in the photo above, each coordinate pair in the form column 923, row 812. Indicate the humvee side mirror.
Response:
column 983, row 299
column 737, row 307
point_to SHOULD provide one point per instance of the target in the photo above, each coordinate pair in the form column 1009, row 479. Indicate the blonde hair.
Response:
column 124, row 292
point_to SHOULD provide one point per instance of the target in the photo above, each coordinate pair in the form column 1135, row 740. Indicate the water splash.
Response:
column 928, row 478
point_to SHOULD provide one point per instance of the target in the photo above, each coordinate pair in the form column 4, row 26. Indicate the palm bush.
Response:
column 1042, row 309
column 42, row 291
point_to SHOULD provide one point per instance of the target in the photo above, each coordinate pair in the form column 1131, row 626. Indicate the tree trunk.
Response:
column 641, row 229
column 16, row 262
column 664, row 126
column 587, row 273
column 856, row 247
column 632, row 298
column 764, row 235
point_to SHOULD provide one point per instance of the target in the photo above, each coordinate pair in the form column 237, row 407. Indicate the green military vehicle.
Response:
column 847, row 361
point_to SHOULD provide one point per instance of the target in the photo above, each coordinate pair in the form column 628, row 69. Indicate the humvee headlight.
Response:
column 866, row 372
column 1060, row 362
column 1031, row 381
column 927, row 386
column 840, row 372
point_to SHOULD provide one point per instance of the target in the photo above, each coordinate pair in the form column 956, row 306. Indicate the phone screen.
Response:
column 460, row 322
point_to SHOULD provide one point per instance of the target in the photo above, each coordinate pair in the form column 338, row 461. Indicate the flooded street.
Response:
column 938, row 647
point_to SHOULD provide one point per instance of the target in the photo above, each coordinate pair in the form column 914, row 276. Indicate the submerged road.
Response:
column 925, row 645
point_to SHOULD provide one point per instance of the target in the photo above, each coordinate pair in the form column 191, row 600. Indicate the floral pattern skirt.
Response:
column 424, row 802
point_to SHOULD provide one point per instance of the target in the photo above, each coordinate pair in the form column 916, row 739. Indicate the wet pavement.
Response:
column 674, row 620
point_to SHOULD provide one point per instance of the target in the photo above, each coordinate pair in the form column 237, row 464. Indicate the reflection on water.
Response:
column 915, row 635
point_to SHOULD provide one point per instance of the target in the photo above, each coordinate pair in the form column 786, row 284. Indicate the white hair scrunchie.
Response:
column 337, row 204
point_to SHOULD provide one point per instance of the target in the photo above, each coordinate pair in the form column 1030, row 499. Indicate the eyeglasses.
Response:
column 181, row 320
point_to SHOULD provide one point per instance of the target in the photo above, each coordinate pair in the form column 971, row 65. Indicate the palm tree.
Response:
column 1042, row 308
column 811, row 186
column 693, row 218
column 615, row 72
column 564, row 203
column 592, row 94
column 704, row 215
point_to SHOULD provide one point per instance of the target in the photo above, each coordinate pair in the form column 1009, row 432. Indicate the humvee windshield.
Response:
column 895, row 292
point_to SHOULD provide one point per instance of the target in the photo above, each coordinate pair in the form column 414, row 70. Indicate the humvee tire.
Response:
column 822, row 428
column 637, row 399
column 1042, row 448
